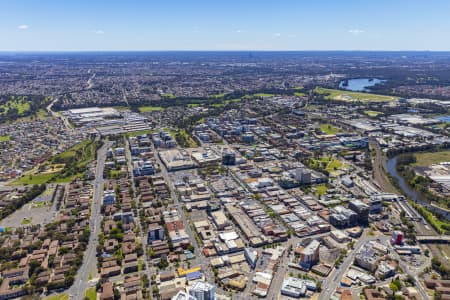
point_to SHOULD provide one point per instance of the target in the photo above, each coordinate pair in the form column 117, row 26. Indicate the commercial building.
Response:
column 375, row 205
column 219, row 219
column 109, row 197
column 361, row 209
column 397, row 237
column 228, row 158
column 309, row 255
column 293, row 287
column 347, row 182
column 339, row 236
column 366, row 258
column 385, row 270
column 296, row 288
column 205, row 156
column 203, row 291
column 155, row 232
column 342, row 217
column 183, row 296
column 251, row 256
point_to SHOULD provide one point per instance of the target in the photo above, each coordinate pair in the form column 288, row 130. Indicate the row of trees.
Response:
column 11, row 207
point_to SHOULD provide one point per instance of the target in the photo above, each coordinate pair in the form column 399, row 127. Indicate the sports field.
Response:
column 346, row 96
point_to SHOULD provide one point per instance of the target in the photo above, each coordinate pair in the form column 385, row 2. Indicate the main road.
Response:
column 178, row 205
column 89, row 266
column 142, row 235
column 50, row 110
column 334, row 278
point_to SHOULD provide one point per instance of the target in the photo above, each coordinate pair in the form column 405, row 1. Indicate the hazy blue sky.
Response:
column 224, row 25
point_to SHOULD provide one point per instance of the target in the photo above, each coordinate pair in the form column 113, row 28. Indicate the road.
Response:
column 178, row 205
column 280, row 274
column 142, row 237
column 200, row 259
column 413, row 272
column 89, row 266
column 55, row 115
column 334, row 278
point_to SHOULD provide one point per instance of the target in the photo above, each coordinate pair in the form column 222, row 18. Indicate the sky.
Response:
column 114, row 25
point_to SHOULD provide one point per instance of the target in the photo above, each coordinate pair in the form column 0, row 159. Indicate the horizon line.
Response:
column 206, row 50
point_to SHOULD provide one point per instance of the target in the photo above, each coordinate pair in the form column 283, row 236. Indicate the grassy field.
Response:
column 84, row 148
column 91, row 293
column 334, row 164
column 76, row 157
column 424, row 159
column 218, row 104
column 5, row 138
column 57, row 297
column 329, row 129
column 34, row 179
column 39, row 115
column 193, row 105
column 168, row 95
column 332, row 94
column 26, row 221
column 144, row 109
column 372, row 113
column 331, row 164
column 321, row 189
column 183, row 138
column 140, row 265
column 18, row 103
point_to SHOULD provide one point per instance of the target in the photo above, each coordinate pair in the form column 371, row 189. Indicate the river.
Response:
column 409, row 191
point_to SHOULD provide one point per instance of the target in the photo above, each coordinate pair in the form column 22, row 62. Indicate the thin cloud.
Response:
column 356, row 31
column 99, row 31
column 292, row 35
column 23, row 27
column 277, row 34
column 239, row 31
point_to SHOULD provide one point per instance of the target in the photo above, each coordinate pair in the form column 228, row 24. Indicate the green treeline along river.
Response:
column 409, row 191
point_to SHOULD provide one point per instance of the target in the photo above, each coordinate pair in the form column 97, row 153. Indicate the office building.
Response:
column 309, row 256
column 251, row 256
column 397, row 237
column 342, row 217
column 203, row 291
column 155, row 232
column 228, row 158
column 361, row 209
